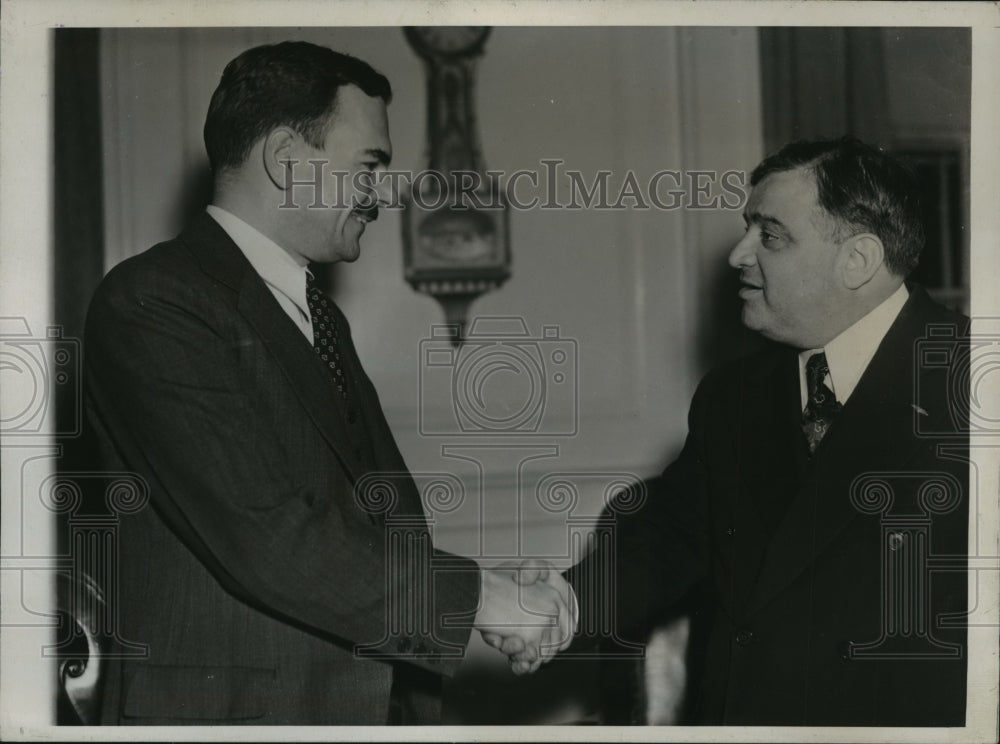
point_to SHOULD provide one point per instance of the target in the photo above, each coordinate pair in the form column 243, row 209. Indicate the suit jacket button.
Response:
column 744, row 637
column 352, row 416
column 730, row 531
column 845, row 649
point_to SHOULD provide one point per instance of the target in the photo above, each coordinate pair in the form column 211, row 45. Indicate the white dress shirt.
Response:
column 849, row 354
column 282, row 274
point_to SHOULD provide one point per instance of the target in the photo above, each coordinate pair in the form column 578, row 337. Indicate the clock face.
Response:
column 447, row 40
column 457, row 237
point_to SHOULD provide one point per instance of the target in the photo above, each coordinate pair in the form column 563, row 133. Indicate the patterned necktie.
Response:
column 822, row 406
column 326, row 333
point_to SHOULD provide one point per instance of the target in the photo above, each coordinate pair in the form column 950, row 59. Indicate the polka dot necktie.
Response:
column 326, row 333
column 822, row 406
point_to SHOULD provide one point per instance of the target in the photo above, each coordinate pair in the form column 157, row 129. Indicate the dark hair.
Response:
column 863, row 189
column 293, row 83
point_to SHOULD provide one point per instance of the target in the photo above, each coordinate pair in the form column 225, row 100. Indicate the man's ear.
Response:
column 278, row 154
column 864, row 255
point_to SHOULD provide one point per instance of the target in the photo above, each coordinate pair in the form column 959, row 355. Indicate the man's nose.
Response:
column 383, row 189
column 744, row 253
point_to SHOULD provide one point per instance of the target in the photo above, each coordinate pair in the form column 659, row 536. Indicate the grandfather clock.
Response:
column 455, row 227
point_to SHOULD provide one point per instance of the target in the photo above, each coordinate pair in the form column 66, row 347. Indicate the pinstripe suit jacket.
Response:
column 256, row 575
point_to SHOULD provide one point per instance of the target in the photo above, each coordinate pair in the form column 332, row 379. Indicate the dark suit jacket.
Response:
column 820, row 603
column 256, row 572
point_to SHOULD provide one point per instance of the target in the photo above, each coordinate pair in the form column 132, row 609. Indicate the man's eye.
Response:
column 767, row 237
column 370, row 166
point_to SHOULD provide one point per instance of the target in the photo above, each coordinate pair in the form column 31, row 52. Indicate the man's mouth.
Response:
column 748, row 288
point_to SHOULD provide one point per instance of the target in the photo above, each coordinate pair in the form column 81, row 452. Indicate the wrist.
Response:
column 487, row 589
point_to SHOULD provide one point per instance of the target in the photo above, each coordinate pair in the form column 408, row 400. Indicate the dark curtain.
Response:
column 823, row 82
column 77, row 195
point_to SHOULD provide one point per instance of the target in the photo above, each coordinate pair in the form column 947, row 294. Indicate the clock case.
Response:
column 456, row 247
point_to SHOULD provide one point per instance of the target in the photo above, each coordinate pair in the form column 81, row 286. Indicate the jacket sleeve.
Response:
column 654, row 552
column 164, row 380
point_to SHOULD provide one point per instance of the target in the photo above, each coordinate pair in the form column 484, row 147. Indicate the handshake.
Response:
column 527, row 612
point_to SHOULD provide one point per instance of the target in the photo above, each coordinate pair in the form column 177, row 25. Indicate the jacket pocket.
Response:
column 189, row 693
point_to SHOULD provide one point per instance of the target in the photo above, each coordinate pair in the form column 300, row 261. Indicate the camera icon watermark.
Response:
column 967, row 366
column 500, row 381
column 35, row 371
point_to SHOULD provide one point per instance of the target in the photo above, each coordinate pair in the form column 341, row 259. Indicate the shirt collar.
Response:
column 278, row 269
column 849, row 354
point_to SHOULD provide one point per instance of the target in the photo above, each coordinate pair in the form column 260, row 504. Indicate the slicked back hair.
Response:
column 292, row 84
column 863, row 190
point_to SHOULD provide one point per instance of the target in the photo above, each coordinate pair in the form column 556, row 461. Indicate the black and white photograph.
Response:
column 500, row 371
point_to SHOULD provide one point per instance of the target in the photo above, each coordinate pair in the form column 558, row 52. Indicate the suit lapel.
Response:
column 298, row 362
column 767, row 427
column 874, row 432
column 386, row 455
column 222, row 259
